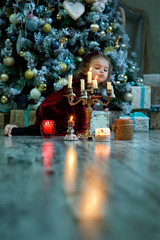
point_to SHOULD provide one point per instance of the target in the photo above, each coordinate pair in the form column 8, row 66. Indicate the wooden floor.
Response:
column 51, row 189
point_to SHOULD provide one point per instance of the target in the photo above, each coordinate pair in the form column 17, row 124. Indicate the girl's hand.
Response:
column 8, row 129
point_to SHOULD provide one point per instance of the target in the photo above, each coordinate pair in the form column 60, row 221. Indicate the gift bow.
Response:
column 137, row 114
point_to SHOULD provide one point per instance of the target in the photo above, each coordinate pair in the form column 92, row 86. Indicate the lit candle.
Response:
column 102, row 134
column 71, row 122
column 82, row 85
column 47, row 128
column 70, row 77
column 108, row 85
column 95, row 86
column 89, row 79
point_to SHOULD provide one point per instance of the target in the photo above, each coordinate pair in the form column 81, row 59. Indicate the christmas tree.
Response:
column 43, row 41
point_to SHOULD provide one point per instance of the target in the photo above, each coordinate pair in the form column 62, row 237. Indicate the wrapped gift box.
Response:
column 22, row 118
column 4, row 119
column 100, row 119
column 155, row 95
column 141, row 97
column 151, row 79
column 154, row 114
column 140, row 122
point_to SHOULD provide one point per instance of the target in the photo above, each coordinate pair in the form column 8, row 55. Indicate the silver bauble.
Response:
column 128, row 97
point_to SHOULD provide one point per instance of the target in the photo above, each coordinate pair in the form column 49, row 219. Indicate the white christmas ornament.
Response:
column 13, row 18
column 62, row 82
column 98, row 6
column 35, row 94
column 75, row 10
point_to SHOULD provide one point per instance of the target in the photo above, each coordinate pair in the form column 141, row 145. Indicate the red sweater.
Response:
column 56, row 107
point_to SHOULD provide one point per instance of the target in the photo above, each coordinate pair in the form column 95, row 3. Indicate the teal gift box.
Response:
column 141, row 97
column 140, row 121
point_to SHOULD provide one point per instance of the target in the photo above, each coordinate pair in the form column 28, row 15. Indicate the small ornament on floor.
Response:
column 71, row 136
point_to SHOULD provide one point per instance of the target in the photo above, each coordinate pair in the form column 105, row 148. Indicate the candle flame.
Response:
column 71, row 118
column 90, row 69
column 95, row 78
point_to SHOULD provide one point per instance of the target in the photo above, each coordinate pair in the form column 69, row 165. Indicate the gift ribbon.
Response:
column 26, row 118
column 137, row 114
column 142, row 96
column 5, row 111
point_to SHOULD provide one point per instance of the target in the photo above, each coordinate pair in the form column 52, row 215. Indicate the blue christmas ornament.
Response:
column 102, row 24
column 49, row 20
column 132, row 83
column 55, row 44
column 32, row 24
column 13, row 39
column 107, row 9
column 67, row 61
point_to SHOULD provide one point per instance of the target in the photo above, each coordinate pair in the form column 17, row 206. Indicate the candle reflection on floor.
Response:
column 70, row 170
column 102, row 151
column 92, row 195
column 47, row 154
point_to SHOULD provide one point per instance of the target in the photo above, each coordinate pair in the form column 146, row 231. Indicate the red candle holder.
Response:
column 48, row 128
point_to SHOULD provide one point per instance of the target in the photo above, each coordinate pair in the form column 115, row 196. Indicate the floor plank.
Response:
column 55, row 189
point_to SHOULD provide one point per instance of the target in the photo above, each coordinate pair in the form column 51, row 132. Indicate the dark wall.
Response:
column 151, row 32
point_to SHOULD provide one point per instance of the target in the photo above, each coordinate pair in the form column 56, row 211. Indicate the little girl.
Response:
column 56, row 107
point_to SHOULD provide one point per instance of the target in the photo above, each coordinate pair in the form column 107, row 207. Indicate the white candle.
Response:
column 95, row 86
column 82, row 85
column 102, row 134
column 70, row 77
column 89, row 79
column 108, row 85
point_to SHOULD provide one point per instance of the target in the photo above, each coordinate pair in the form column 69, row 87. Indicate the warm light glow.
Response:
column 90, row 69
column 71, row 118
column 102, row 131
column 93, row 196
column 47, row 123
column 102, row 134
column 102, row 151
column 95, row 78
column 70, row 170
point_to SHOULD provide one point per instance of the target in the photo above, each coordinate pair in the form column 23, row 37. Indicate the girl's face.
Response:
column 100, row 68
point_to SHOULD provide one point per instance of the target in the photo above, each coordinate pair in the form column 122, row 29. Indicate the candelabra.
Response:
column 89, row 98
